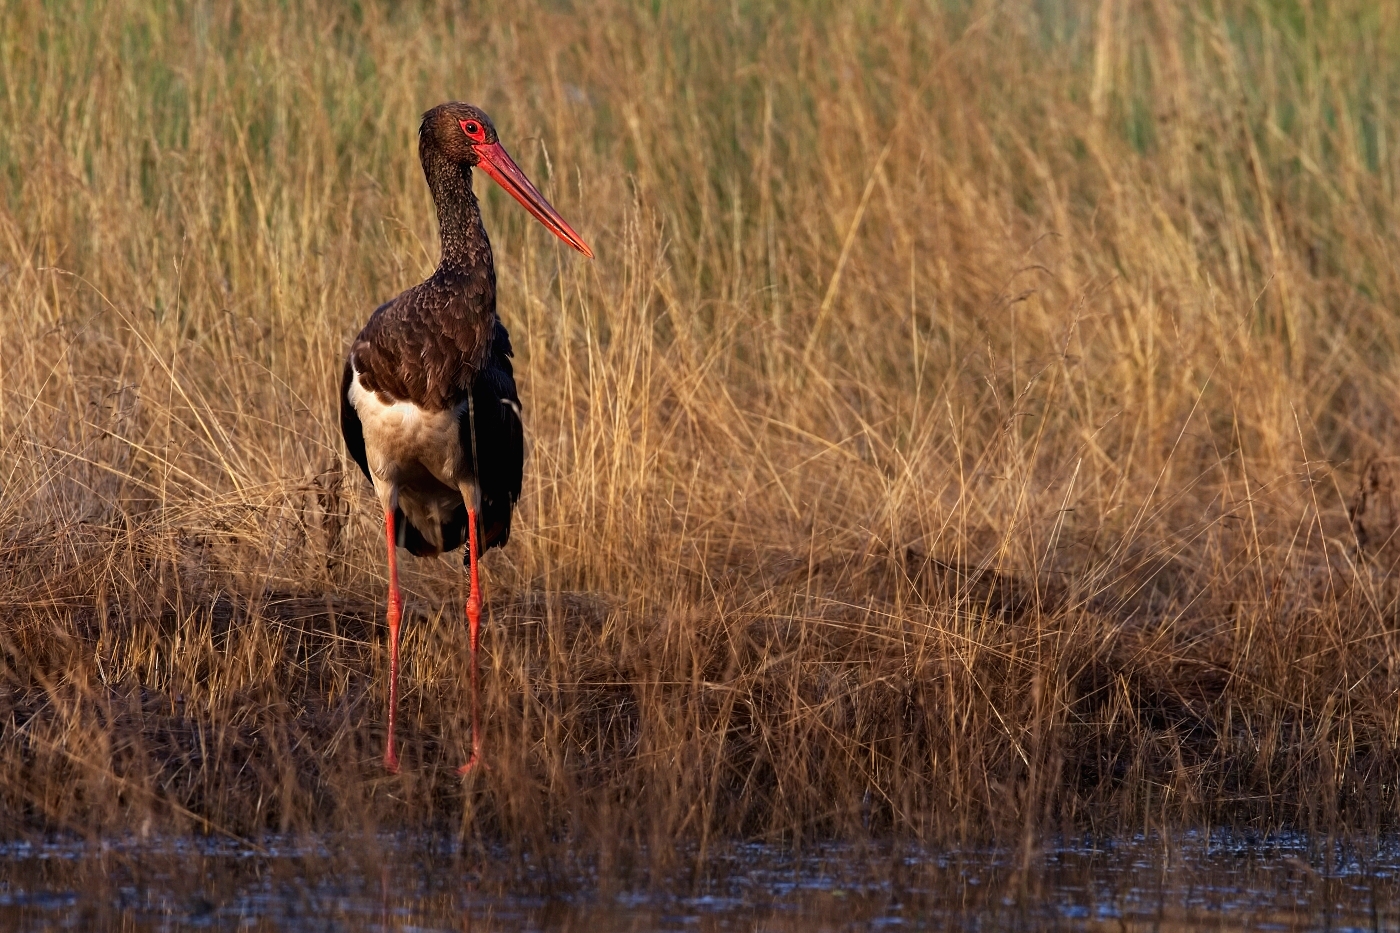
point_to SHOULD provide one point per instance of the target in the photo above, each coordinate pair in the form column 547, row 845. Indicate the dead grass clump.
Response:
column 951, row 440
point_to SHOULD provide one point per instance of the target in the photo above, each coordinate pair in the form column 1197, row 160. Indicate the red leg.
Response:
column 474, row 628
column 391, row 758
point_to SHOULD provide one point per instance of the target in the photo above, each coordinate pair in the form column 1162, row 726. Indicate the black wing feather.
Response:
column 350, row 427
column 499, row 441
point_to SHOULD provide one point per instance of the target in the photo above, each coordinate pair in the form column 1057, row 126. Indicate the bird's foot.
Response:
column 391, row 762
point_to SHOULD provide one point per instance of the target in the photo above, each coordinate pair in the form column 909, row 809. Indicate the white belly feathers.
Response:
column 402, row 439
column 415, row 457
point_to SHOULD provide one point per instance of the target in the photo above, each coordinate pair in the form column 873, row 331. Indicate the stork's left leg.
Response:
column 474, row 629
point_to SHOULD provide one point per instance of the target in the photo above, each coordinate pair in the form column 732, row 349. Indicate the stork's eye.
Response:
column 473, row 129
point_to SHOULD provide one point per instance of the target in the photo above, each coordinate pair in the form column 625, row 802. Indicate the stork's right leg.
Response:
column 391, row 758
column 474, row 633
column 473, row 624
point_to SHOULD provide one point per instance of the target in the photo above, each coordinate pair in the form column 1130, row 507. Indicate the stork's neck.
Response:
column 465, row 247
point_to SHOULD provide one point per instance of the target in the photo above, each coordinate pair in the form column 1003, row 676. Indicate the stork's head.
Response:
column 466, row 135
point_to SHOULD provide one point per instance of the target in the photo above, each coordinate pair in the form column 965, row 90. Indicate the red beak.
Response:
column 496, row 162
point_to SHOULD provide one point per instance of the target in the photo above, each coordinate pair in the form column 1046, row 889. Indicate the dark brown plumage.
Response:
column 428, row 404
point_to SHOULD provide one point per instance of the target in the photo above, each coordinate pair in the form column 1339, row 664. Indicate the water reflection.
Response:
column 1189, row 882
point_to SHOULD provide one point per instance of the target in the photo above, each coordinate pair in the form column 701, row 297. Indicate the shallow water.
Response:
column 1188, row 882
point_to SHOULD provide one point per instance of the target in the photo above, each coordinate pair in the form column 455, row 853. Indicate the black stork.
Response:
column 428, row 405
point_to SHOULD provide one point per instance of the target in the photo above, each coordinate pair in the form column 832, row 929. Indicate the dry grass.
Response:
column 951, row 439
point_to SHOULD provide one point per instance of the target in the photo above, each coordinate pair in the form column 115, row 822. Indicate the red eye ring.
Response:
column 473, row 129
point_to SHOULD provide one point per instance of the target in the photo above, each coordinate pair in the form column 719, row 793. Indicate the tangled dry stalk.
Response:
column 952, row 438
